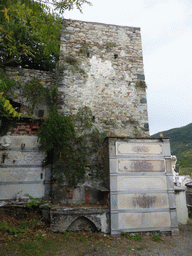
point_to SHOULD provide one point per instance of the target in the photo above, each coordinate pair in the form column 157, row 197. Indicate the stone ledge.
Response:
column 79, row 219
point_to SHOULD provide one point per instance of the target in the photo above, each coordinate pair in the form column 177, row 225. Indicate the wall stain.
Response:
column 144, row 201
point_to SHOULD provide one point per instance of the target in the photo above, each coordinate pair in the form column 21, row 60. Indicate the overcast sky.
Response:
column 166, row 30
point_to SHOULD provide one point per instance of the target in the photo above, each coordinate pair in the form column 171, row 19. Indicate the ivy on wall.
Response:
column 69, row 153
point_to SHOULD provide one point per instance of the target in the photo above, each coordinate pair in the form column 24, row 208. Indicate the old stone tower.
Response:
column 101, row 67
column 100, row 76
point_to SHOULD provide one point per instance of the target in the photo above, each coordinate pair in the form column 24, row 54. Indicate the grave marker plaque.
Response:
column 141, row 186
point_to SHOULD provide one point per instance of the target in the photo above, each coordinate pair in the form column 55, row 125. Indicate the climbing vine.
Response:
column 34, row 92
column 68, row 151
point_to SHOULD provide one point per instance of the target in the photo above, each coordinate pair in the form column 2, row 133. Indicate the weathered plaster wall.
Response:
column 99, row 67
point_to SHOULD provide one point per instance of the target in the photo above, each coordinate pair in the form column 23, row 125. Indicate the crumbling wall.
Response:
column 101, row 66
column 46, row 78
column 102, row 85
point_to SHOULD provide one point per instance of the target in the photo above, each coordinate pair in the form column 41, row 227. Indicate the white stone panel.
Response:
column 144, row 220
column 8, row 192
column 138, row 201
column 29, row 141
column 141, row 183
column 21, row 174
column 138, row 148
column 16, row 158
column 140, row 165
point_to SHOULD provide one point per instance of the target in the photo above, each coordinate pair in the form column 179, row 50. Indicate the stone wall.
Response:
column 80, row 219
column 100, row 67
column 47, row 79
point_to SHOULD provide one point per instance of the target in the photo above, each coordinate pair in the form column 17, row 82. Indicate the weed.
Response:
column 71, row 60
column 135, row 237
column 189, row 223
column 141, row 84
column 127, row 235
column 109, row 122
column 33, row 223
column 85, row 48
column 109, row 46
column 29, row 246
column 156, row 238
column 14, row 231
column 3, row 225
column 23, row 224
column 34, row 202
column 39, row 238
column 67, row 233
column 81, row 238
column 139, row 248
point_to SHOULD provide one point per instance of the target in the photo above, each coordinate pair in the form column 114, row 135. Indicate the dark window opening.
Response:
column 41, row 113
column 115, row 56
column 15, row 105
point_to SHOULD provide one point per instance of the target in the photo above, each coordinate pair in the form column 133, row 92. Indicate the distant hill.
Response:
column 181, row 146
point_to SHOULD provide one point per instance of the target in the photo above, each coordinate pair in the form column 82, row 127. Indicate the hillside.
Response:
column 181, row 146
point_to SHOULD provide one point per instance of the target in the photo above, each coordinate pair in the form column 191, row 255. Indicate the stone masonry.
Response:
column 47, row 79
column 100, row 67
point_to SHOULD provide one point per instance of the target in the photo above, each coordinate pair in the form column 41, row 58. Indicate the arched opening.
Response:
column 82, row 224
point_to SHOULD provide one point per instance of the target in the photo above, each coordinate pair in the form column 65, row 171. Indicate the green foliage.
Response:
column 58, row 139
column 34, row 202
column 72, row 161
column 141, row 84
column 68, row 152
column 135, row 237
column 68, row 4
column 52, row 96
column 3, row 225
column 14, row 231
column 29, row 246
column 85, row 48
column 56, row 133
column 109, row 122
column 85, row 116
column 185, row 163
column 34, row 92
column 23, row 224
column 156, row 238
column 29, row 35
column 139, row 248
column 109, row 46
column 7, row 86
column 30, row 32
column 181, row 146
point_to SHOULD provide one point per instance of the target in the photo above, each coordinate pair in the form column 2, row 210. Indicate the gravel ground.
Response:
column 85, row 243
column 108, row 246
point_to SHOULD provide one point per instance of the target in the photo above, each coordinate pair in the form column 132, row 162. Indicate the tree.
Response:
column 29, row 37
column 29, row 32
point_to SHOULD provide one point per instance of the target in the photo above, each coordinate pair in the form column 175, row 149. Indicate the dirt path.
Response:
column 108, row 246
column 23, row 232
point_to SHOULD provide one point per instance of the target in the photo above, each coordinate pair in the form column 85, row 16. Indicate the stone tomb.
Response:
column 141, row 186
column 21, row 170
